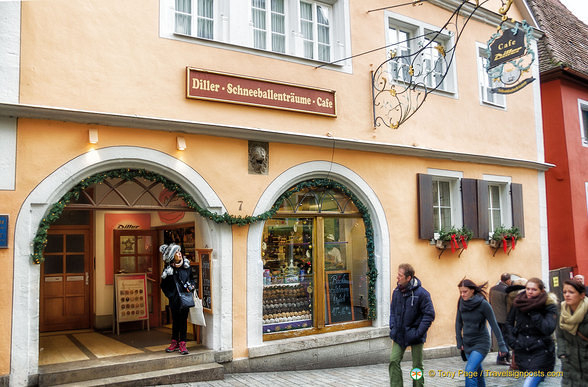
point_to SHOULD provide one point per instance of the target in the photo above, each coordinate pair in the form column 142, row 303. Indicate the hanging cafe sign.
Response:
column 510, row 58
column 223, row 87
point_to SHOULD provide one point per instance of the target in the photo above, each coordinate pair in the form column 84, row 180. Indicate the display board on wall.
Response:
column 339, row 300
column 130, row 298
column 205, row 259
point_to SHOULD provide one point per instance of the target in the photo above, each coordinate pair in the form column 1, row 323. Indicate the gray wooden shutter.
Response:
column 518, row 217
column 469, row 202
column 425, row 205
column 483, row 221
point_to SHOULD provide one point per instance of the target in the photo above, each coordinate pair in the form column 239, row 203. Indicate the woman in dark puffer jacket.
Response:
column 473, row 311
column 529, row 328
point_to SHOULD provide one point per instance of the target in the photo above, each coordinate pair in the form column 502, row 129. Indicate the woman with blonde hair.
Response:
column 572, row 334
column 473, row 310
column 529, row 328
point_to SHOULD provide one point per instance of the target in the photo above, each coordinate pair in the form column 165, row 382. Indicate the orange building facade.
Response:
column 170, row 115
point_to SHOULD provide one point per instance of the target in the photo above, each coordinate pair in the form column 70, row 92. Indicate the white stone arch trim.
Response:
column 25, row 304
column 293, row 176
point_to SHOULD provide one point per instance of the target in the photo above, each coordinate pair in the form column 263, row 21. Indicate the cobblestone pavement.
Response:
column 438, row 372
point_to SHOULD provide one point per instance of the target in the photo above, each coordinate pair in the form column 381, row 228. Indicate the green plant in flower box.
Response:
column 501, row 233
column 445, row 235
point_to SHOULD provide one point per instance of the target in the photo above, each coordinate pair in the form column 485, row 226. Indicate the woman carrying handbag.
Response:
column 177, row 284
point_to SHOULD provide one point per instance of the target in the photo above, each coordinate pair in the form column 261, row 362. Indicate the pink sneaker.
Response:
column 183, row 349
column 172, row 347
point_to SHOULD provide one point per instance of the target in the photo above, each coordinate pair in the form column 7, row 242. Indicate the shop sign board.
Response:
column 510, row 58
column 3, row 231
column 238, row 89
column 507, row 47
column 130, row 298
column 206, row 279
column 202, row 273
column 339, row 300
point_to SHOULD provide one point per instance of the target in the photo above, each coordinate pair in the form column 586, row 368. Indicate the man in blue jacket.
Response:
column 411, row 315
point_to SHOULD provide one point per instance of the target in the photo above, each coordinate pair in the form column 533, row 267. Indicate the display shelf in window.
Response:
column 287, row 306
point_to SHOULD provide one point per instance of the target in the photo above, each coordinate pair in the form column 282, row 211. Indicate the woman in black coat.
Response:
column 473, row 310
column 176, row 277
column 529, row 328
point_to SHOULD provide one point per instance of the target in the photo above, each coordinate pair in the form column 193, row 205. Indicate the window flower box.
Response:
column 505, row 237
column 456, row 239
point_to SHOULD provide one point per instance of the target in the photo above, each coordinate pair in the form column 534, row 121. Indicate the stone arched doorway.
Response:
column 25, row 314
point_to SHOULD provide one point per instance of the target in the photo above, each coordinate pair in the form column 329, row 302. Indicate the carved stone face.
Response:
column 258, row 154
column 258, row 159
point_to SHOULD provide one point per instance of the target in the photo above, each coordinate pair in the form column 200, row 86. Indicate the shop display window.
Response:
column 314, row 264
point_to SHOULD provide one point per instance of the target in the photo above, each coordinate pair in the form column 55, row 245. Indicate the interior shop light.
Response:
column 181, row 143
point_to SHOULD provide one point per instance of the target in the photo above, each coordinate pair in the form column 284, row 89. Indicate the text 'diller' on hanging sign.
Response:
column 507, row 47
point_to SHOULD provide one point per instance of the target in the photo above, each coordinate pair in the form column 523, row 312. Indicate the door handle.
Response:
column 87, row 278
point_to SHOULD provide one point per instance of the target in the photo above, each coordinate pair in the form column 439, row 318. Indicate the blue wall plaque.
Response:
column 3, row 231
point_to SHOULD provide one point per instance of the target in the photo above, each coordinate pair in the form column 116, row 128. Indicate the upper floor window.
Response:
column 446, row 206
column 486, row 83
column 439, row 201
column 269, row 25
column 583, row 109
column 195, row 16
column 316, row 30
column 446, row 199
column 429, row 68
column 307, row 29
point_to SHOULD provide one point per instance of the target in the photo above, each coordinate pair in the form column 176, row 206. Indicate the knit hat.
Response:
column 169, row 251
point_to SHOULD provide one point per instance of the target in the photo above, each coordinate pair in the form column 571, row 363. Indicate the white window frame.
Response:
column 315, row 26
column 484, row 86
column 234, row 30
column 583, row 110
column 269, row 26
column 418, row 32
column 503, row 182
column 454, row 180
column 195, row 19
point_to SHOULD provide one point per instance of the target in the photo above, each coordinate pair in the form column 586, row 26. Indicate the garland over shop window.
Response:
column 315, row 264
column 334, row 203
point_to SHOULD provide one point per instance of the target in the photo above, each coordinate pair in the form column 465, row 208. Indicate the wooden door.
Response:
column 65, row 281
column 135, row 251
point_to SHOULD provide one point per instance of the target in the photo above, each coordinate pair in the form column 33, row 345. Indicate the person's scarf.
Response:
column 569, row 321
column 471, row 303
column 525, row 304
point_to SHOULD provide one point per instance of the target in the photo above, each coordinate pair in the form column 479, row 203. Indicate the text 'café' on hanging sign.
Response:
column 223, row 87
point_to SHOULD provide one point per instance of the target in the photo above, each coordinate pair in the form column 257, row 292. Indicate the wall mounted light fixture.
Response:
column 93, row 136
column 181, row 143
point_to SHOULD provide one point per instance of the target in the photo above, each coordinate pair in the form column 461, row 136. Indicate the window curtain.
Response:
column 306, row 29
column 205, row 19
column 278, row 26
column 324, row 44
column 259, row 27
column 184, row 17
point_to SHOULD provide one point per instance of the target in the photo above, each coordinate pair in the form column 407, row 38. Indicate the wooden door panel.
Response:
column 74, row 306
column 65, row 291
column 53, row 287
column 53, row 309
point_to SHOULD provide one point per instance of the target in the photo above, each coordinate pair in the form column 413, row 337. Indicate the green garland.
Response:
column 40, row 240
